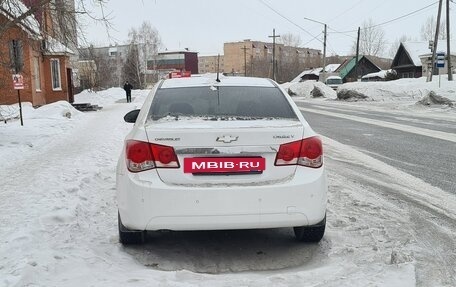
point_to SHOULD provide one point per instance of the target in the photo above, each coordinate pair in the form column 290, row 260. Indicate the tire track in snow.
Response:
column 424, row 217
column 405, row 128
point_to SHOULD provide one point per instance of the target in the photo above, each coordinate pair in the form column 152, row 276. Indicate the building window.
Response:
column 36, row 69
column 16, row 55
column 55, row 74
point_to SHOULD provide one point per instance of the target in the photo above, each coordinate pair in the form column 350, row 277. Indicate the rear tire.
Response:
column 127, row 236
column 312, row 233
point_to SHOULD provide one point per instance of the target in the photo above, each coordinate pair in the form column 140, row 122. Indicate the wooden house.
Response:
column 406, row 62
column 350, row 72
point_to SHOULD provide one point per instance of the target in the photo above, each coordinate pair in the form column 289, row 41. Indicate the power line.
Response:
column 346, row 33
column 344, row 12
column 392, row 20
column 406, row 15
column 289, row 20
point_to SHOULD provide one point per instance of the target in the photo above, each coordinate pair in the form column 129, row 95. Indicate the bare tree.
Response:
column 372, row 39
column 132, row 70
column 147, row 41
column 64, row 18
column 289, row 39
column 428, row 29
column 395, row 46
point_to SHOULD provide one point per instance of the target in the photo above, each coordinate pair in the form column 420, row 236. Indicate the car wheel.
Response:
column 127, row 236
column 312, row 233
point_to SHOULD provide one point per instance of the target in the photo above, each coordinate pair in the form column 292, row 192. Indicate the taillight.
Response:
column 164, row 156
column 143, row 156
column 307, row 152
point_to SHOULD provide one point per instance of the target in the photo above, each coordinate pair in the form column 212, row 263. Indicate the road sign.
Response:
column 440, row 60
column 18, row 82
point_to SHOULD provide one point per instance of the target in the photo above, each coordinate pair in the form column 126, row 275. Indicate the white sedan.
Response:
column 234, row 153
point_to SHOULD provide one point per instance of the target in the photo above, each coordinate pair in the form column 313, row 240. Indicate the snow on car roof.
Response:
column 209, row 81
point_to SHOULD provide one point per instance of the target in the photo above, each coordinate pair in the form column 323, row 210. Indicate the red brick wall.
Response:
column 58, row 94
column 7, row 93
column 31, row 50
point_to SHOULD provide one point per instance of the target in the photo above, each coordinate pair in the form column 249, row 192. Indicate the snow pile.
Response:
column 42, row 126
column 55, row 110
column 309, row 89
column 417, row 90
column 433, row 99
column 109, row 96
column 350, row 95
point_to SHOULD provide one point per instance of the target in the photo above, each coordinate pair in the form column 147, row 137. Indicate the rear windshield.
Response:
column 221, row 102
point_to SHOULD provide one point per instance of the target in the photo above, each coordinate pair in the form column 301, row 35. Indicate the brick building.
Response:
column 28, row 48
column 258, row 56
column 167, row 61
column 210, row 64
column 109, row 59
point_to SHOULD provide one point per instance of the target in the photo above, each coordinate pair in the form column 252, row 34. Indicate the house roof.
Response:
column 315, row 72
column 416, row 49
column 13, row 9
column 329, row 69
column 348, row 65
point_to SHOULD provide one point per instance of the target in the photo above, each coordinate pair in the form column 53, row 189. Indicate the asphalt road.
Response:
column 429, row 158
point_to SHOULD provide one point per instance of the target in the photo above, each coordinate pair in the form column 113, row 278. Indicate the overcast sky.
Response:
column 204, row 25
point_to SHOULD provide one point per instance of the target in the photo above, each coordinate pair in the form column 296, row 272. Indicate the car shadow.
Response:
column 224, row 251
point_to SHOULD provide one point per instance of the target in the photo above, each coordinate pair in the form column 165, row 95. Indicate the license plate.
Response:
column 224, row 165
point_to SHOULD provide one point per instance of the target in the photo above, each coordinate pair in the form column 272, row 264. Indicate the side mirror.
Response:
column 131, row 116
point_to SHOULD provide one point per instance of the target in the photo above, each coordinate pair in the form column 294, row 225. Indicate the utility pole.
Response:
column 245, row 60
column 273, row 53
column 436, row 39
column 450, row 70
column 324, row 51
column 357, row 54
column 324, row 43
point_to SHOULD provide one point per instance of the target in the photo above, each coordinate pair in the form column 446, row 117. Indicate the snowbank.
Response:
column 309, row 89
column 42, row 127
column 55, row 110
column 418, row 90
column 109, row 96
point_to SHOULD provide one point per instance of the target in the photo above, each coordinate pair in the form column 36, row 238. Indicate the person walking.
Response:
column 127, row 87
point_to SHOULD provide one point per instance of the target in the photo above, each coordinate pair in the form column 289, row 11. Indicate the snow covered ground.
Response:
column 58, row 215
column 402, row 90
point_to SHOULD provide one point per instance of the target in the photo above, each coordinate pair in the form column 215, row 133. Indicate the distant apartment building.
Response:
column 110, row 60
column 255, row 57
column 211, row 64
column 168, row 61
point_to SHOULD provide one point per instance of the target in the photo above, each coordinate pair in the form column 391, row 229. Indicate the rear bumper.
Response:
column 153, row 205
